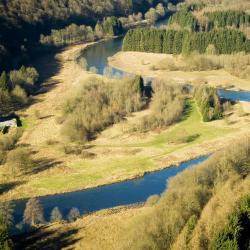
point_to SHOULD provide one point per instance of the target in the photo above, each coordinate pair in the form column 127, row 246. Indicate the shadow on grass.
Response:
column 6, row 187
column 188, row 109
column 46, row 238
column 43, row 164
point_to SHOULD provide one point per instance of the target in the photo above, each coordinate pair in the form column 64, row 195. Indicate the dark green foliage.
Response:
column 139, row 85
column 235, row 236
column 22, row 21
column 3, row 82
column 228, row 18
column 5, row 221
column 5, row 241
column 225, row 41
column 184, row 19
column 209, row 103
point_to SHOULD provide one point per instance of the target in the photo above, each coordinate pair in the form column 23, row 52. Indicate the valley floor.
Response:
column 118, row 153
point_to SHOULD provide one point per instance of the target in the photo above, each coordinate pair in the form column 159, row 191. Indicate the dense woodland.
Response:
column 23, row 21
column 209, row 20
column 177, row 42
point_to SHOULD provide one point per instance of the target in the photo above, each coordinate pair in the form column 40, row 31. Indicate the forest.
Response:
column 185, row 42
column 26, row 20
column 208, row 20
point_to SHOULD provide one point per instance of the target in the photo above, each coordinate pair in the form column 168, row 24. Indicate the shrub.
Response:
column 99, row 104
column 19, row 161
column 166, row 107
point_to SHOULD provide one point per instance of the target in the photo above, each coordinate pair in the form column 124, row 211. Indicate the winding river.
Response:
column 126, row 192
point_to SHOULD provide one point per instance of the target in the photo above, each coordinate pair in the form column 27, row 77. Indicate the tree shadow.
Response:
column 46, row 238
column 187, row 110
column 43, row 164
column 6, row 187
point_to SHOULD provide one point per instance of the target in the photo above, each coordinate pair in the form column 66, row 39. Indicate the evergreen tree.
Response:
column 139, row 85
column 3, row 81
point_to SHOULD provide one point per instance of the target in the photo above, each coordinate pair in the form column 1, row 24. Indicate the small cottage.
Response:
column 6, row 123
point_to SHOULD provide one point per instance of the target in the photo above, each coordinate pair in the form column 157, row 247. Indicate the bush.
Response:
column 8, row 142
column 166, row 107
column 98, row 105
column 19, row 161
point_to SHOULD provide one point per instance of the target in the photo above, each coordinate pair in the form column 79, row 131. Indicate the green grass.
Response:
column 27, row 123
column 98, row 171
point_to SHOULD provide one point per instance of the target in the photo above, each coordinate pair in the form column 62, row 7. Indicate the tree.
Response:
column 3, row 81
column 33, row 213
column 151, row 15
column 99, row 30
column 56, row 215
column 6, row 219
column 74, row 214
column 139, row 84
column 6, row 214
column 235, row 235
column 5, row 241
column 19, row 160
column 160, row 9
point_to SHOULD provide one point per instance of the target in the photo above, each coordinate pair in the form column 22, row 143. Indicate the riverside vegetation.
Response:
column 111, row 129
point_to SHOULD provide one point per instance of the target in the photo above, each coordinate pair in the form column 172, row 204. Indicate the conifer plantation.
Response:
column 185, row 42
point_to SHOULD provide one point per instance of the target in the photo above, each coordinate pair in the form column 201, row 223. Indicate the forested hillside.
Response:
column 23, row 21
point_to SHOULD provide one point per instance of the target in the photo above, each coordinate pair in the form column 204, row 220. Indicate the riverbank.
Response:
column 147, row 64
column 118, row 154
column 108, row 225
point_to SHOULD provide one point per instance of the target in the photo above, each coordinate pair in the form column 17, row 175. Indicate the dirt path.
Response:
column 47, row 106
